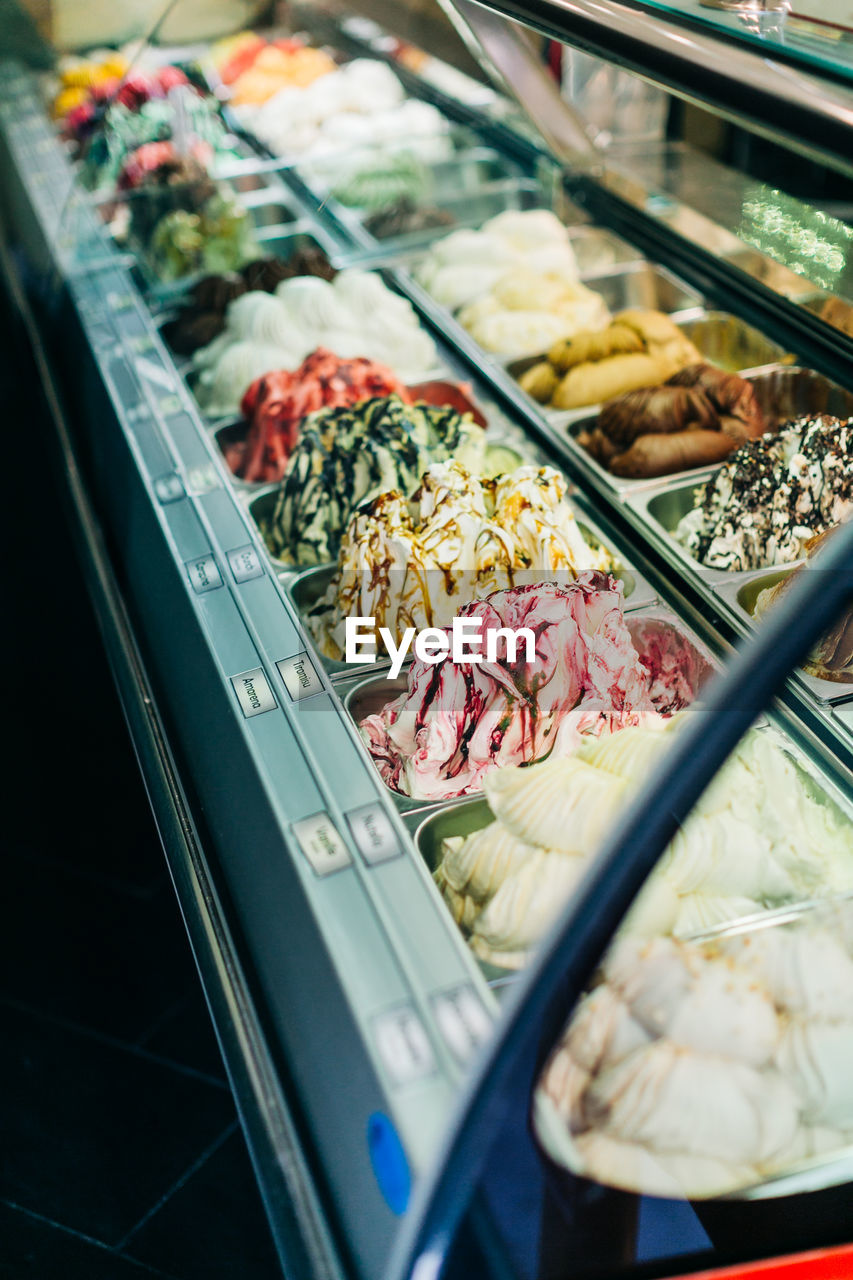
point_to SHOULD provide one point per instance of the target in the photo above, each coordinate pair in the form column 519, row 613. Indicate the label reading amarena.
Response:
column 204, row 574
column 253, row 692
column 300, row 677
column 320, row 841
column 373, row 833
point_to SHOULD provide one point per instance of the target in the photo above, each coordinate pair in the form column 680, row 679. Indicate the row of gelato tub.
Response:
column 506, row 771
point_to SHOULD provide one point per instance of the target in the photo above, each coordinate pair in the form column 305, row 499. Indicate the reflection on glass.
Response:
column 808, row 241
column 705, row 1067
column 702, row 1067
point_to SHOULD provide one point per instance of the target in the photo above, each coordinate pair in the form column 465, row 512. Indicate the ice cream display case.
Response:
column 345, row 371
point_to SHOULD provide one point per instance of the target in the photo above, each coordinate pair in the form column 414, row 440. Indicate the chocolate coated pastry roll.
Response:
column 733, row 397
column 598, row 446
column 660, row 410
column 657, row 454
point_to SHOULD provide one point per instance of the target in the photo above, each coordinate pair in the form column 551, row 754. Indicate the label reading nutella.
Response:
column 373, row 833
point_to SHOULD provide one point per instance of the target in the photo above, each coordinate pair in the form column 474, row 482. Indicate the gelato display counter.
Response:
column 450, row 497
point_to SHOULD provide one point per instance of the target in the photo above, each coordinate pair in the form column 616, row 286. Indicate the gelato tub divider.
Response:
column 740, row 596
column 305, row 588
column 645, row 284
column 638, row 592
column 284, row 241
column 659, row 508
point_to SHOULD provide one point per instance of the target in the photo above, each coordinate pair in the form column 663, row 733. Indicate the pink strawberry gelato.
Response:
column 458, row 721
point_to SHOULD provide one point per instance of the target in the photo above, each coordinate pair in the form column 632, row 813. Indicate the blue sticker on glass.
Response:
column 388, row 1159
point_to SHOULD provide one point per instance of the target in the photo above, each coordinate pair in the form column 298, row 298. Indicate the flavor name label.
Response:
column 433, row 644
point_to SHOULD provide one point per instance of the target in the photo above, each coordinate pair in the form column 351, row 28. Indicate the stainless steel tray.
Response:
column 659, row 509
column 820, row 1176
column 363, row 697
column 784, row 392
column 440, row 391
column 740, row 597
column 306, row 586
column 732, row 344
column 645, row 284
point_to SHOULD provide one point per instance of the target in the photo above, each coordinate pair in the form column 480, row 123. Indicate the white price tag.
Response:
column 321, row 843
column 253, row 692
column 403, row 1045
column 462, row 1020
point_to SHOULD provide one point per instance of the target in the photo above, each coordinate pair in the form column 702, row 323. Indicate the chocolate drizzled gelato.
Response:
column 772, row 495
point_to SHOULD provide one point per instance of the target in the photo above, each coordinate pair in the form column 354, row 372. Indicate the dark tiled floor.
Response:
column 121, row 1153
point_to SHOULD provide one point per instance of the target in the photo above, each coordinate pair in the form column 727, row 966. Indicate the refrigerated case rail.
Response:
column 299, row 1226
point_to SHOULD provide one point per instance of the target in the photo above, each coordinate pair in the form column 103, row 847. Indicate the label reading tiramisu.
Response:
column 300, row 677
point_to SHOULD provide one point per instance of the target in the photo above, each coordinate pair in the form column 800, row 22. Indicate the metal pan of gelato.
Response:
column 782, row 393
column 771, row 496
column 415, row 560
column 256, row 447
column 731, row 859
column 828, row 672
column 354, row 315
column 458, row 721
column 716, row 1070
column 344, row 456
column 199, row 314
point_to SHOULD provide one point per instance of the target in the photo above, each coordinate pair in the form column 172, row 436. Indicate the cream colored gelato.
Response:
column 696, row 1069
column 761, row 836
column 353, row 315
